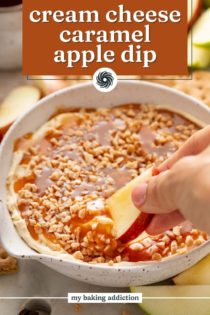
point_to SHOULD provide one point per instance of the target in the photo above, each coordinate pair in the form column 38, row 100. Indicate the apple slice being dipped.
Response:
column 129, row 221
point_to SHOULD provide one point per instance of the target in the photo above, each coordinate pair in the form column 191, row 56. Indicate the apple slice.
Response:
column 128, row 220
column 197, row 274
column 194, row 10
column 201, row 31
column 198, row 58
column 170, row 299
column 15, row 104
column 50, row 84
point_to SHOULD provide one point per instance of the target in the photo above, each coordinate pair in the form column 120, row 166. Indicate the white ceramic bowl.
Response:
column 85, row 95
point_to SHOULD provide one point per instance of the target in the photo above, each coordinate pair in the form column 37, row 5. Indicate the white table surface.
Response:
column 33, row 279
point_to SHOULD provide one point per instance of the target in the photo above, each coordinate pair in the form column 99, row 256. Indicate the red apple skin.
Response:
column 4, row 129
column 155, row 171
column 195, row 14
column 138, row 226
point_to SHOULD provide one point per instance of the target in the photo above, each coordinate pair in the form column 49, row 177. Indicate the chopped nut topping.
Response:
column 80, row 163
column 156, row 256
column 189, row 241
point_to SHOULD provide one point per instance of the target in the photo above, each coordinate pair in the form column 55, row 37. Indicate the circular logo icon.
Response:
column 105, row 80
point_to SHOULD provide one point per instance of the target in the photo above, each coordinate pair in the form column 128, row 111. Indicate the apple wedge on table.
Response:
column 175, row 300
column 198, row 41
column 196, row 275
column 199, row 36
column 15, row 104
column 201, row 31
column 198, row 58
column 128, row 220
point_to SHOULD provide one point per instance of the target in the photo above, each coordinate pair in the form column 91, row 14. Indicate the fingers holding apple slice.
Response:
column 129, row 221
column 127, row 208
column 15, row 104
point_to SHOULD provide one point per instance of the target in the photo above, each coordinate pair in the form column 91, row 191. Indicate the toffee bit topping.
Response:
column 77, row 165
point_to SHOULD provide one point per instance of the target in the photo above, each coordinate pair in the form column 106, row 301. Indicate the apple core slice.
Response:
column 128, row 220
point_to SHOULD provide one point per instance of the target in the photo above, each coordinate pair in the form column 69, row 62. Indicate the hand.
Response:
column 184, row 184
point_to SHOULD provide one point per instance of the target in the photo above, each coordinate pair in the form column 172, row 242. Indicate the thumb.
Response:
column 158, row 195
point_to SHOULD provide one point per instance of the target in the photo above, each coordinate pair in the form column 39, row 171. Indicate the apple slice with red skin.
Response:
column 194, row 10
column 129, row 222
column 138, row 226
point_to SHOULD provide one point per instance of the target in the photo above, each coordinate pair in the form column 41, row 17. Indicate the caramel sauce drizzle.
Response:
column 101, row 131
